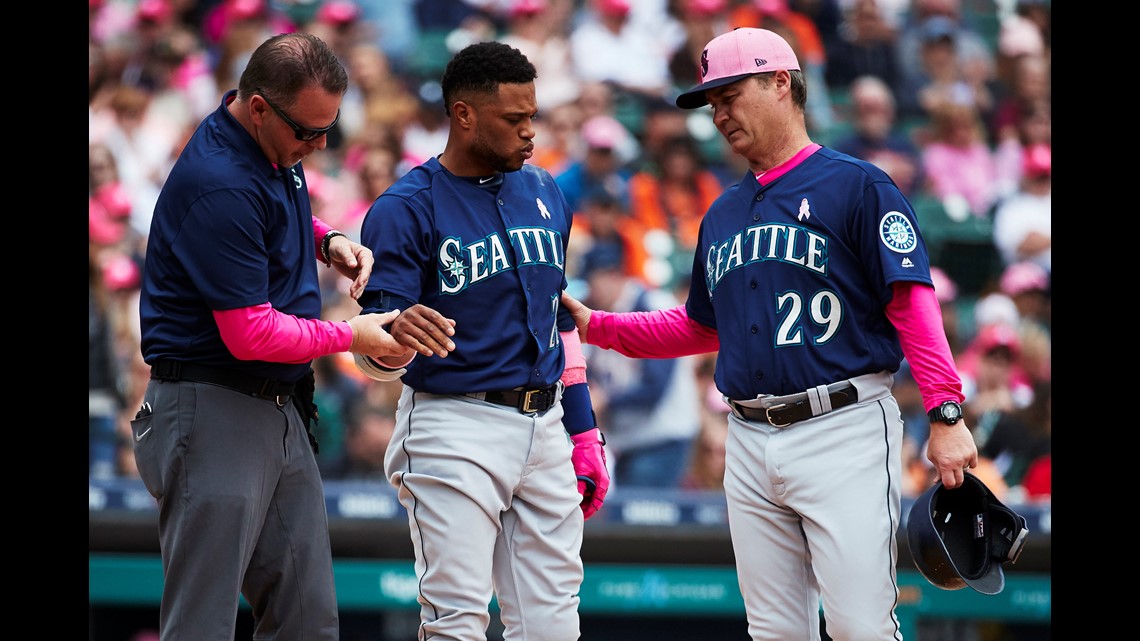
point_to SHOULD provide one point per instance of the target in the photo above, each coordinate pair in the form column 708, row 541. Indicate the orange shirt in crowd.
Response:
column 673, row 207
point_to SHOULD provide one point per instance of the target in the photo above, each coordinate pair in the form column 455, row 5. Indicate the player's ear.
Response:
column 463, row 113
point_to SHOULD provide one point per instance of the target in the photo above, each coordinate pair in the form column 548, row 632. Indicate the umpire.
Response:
column 230, row 322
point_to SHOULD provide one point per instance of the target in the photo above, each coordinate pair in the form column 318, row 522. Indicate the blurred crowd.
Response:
column 950, row 97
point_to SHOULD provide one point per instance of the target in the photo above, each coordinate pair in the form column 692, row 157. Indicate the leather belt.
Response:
column 785, row 414
column 527, row 401
column 269, row 388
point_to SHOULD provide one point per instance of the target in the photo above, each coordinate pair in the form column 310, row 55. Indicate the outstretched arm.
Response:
column 667, row 333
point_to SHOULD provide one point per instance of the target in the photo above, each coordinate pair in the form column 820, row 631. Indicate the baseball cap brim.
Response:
column 992, row 582
column 695, row 97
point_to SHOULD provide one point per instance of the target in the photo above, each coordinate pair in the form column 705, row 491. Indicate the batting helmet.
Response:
column 963, row 536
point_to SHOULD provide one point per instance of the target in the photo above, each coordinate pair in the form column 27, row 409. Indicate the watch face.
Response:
column 952, row 412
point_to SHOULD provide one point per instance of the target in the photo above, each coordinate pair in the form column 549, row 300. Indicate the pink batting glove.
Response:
column 589, row 459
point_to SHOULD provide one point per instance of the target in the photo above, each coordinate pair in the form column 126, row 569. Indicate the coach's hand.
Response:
column 370, row 339
column 589, row 460
column 952, row 451
column 425, row 330
column 353, row 261
column 579, row 312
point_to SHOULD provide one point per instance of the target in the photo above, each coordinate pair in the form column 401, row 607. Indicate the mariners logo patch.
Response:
column 897, row 233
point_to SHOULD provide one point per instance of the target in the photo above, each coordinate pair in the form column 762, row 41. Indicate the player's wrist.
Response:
column 326, row 241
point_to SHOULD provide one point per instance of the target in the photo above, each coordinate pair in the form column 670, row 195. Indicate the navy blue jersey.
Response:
column 229, row 231
column 491, row 256
column 794, row 275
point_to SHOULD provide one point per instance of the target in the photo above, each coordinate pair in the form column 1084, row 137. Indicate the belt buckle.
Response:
column 282, row 399
column 525, row 406
column 768, row 415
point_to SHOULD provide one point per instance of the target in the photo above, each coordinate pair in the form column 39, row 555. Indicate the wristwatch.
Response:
column 949, row 412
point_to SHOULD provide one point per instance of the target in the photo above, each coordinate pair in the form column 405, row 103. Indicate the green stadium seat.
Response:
column 964, row 249
column 430, row 55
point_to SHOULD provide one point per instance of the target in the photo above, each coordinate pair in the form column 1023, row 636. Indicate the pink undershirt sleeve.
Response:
column 916, row 314
column 320, row 228
column 667, row 333
column 575, row 370
column 265, row 334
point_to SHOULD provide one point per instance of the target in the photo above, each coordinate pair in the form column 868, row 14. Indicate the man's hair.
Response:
column 480, row 68
column 799, row 85
column 287, row 63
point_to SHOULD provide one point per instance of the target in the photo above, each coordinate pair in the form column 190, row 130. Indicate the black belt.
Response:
column 527, row 401
column 271, row 388
column 788, row 413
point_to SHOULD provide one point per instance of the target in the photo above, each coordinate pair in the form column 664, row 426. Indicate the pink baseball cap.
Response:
column 526, row 8
column 619, row 8
column 1038, row 160
column 338, row 12
column 1024, row 277
column 604, row 132
column 995, row 335
column 705, row 7
column 735, row 55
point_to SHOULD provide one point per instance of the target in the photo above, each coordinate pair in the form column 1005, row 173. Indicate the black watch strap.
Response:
column 948, row 412
column 332, row 233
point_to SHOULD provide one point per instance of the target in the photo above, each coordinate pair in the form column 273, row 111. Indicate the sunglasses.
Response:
column 301, row 133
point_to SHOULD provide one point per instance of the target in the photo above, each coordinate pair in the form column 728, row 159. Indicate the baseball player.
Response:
column 491, row 433
column 812, row 280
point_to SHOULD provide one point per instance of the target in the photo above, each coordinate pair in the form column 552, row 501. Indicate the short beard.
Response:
column 487, row 154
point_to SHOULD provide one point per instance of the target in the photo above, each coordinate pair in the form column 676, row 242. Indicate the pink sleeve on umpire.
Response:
column 575, row 370
column 265, row 334
column 916, row 314
column 666, row 333
column 320, row 228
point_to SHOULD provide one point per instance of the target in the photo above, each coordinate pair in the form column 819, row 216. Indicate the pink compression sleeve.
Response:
column 667, row 333
column 265, row 334
column 320, row 228
column 575, row 371
column 915, row 313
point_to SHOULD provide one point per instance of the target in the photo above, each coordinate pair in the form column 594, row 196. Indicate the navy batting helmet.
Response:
column 963, row 536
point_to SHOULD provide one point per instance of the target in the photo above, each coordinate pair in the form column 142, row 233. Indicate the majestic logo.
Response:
column 897, row 233
column 704, row 63
column 542, row 208
column 906, row 262
column 804, row 212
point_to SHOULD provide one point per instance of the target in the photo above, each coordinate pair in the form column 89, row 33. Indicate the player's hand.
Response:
column 951, row 449
column 353, row 261
column 370, row 339
column 424, row 330
column 589, row 459
column 579, row 312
